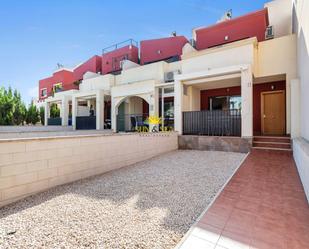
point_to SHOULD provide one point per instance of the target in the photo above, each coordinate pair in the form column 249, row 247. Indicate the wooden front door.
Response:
column 273, row 113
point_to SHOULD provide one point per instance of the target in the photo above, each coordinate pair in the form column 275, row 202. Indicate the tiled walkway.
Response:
column 263, row 206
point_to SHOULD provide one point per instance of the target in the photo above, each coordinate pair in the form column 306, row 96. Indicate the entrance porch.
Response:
column 91, row 110
column 64, row 104
column 230, row 102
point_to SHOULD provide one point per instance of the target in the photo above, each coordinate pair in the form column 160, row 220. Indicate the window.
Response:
column 43, row 92
column 225, row 103
column 57, row 87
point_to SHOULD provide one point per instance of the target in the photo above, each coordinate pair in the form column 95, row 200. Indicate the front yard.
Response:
column 151, row 204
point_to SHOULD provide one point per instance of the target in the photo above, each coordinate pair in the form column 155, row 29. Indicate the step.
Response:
column 272, row 145
column 271, row 149
column 272, row 139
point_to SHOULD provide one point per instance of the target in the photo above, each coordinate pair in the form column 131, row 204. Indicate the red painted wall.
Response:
column 250, row 25
column 64, row 76
column 206, row 94
column 118, row 55
column 257, row 89
column 145, row 107
column 168, row 47
column 67, row 78
column 94, row 64
column 232, row 91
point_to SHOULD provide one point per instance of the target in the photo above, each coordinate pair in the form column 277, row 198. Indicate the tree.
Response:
column 19, row 112
column 33, row 115
column 54, row 111
column 12, row 109
column 42, row 115
column 6, row 107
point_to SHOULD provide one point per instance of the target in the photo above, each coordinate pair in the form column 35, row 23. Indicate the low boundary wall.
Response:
column 28, row 166
column 33, row 128
column 301, row 157
column 214, row 143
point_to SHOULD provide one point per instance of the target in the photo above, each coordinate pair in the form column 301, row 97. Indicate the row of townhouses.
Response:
column 241, row 77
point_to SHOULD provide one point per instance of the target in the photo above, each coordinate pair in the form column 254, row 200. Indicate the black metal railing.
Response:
column 86, row 123
column 168, row 122
column 212, row 123
column 119, row 45
column 54, row 121
column 131, row 122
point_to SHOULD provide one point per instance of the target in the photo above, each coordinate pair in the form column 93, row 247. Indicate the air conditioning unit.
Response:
column 269, row 33
column 169, row 76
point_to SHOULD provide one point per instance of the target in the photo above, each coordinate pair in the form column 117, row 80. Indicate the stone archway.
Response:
column 130, row 112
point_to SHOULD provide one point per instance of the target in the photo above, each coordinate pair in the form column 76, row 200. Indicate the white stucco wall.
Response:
column 146, row 72
column 301, row 28
column 301, row 144
column 275, row 57
column 227, row 55
column 103, row 82
column 192, row 101
column 135, row 89
column 301, row 156
column 280, row 16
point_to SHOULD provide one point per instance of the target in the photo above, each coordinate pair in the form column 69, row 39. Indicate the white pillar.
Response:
column 114, row 112
column 295, row 108
column 178, row 99
column 153, row 102
column 288, row 103
column 74, row 111
column 247, row 103
column 46, row 113
column 100, row 110
column 64, row 111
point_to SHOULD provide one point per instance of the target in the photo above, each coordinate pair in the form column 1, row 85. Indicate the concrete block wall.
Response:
column 28, row 166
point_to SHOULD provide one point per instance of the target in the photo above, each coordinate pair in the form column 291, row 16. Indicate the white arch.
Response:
column 116, row 102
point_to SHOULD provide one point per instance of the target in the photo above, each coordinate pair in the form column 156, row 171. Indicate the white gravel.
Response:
column 151, row 204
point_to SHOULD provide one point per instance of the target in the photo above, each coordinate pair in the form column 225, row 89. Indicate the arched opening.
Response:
column 132, row 114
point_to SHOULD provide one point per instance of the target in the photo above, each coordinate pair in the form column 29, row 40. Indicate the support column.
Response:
column 178, row 88
column 46, row 113
column 288, row 89
column 114, row 112
column 64, row 111
column 100, row 110
column 74, row 112
column 154, row 106
column 247, row 103
column 295, row 108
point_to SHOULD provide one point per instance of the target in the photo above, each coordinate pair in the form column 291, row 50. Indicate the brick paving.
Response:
column 263, row 206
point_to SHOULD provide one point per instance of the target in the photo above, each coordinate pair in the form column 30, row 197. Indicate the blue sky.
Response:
column 36, row 35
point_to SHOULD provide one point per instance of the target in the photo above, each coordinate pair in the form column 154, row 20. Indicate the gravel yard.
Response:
column 151, row 204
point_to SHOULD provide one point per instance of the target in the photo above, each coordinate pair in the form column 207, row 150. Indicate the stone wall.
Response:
column 232, row 144
column 28, row 166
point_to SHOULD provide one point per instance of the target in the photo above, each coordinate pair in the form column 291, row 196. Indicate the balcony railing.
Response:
column 212, row 123
column 86, row 123
column 119, row 45
column 54, row 121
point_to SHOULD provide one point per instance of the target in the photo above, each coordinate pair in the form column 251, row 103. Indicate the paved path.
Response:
column 263, row 206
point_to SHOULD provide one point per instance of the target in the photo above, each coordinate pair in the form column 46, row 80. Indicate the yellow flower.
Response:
column 154, row 120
